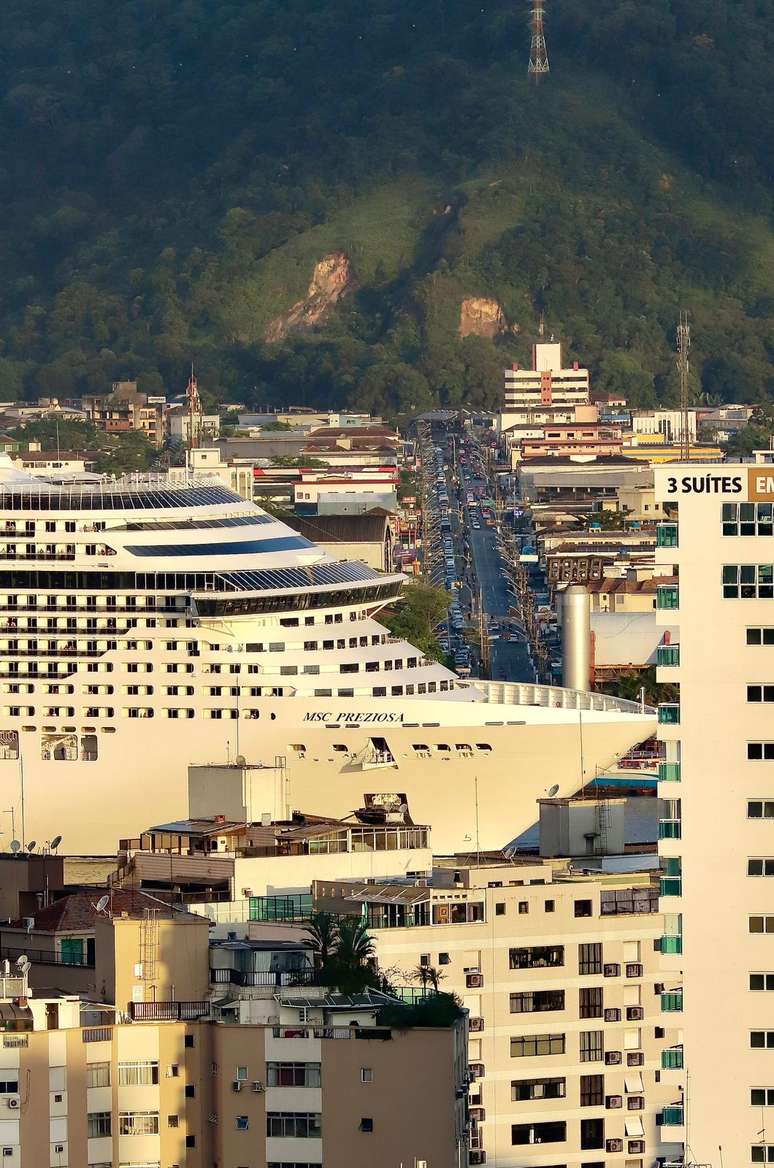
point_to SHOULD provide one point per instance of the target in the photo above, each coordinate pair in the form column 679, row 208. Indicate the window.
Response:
column 173, row 1121
column 524, row 1089
column 293, row 1074
column 9, row 1086
column 760, row 751
column 549, row 905
column 293, row 1124
column 242, row 1123
column 444, row 959
column 591, row 1046
column 762, row 1153
column 190, row 1091
column 592, row 1089
column 523, row 907
column 531, row 1045
column 552, row 1132
column 590, row 957
column 760, row 1039
column 536, row 957
column 761, row 924
column 760, row 693
column 366, row 1124
column 138, row 1123
column 746, row 518
column 99, row 1123
column 536, row 1001
column 762, row 981
column 500, row 908
column 189, row 1041
column 748, row 581
column 760, row 808
column 760, row 636
column 592, row 1133
column 762, row 1096
column 98, row 1074
column 140, row 1074
column 366, row 1075
column 590, row 1002
column 583, row 908
column 190, row 1141
column 760, row 866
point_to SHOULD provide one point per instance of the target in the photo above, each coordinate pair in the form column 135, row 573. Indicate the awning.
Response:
column 633, row 1084
column 634, row 1127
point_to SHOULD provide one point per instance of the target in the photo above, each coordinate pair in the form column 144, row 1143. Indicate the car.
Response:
column 476, row 525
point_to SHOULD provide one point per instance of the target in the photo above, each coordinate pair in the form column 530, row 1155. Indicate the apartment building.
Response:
column 547, row 383
column 160, row 1076
column 559, row 972
column 718, row 798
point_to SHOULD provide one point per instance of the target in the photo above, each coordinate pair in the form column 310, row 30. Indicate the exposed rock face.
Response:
column 481, row 317
column 331, row 278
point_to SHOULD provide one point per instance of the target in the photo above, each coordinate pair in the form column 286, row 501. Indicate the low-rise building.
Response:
column 366, row 537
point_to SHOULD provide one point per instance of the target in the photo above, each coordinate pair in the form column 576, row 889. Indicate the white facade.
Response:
column 718, row 792
column 547, row 383
column 666, row 422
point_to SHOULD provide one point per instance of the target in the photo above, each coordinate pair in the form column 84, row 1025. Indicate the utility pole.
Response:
column 683, row 347
column 538, row 53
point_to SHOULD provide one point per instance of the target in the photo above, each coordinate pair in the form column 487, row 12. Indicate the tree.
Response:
column 323, row 932
column 423, row 607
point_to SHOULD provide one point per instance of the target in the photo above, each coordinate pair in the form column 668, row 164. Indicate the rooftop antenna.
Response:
column 31, row 846
column 101, row 904
column 683, row 348
column 538, row 53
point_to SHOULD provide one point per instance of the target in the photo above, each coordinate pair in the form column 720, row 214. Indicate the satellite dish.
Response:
column 15, row 846
column 553, row 790
column 102, row 904
column 31, row 845
column 23, row 963
column 56, row 841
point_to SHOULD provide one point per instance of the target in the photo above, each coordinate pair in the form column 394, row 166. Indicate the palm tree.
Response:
column 323, row 931
column 354, row 966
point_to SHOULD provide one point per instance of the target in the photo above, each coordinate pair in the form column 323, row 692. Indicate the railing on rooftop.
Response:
column 521, row 694
column 374, row 1033
column 168, row 1011
column 263, row 977
column 45, row 957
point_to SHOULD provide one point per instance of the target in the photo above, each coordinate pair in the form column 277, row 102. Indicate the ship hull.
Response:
column 471, row 771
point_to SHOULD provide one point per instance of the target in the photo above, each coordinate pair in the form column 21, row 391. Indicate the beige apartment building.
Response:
column 717, row 789
column 161, row 1079
column 558, row 968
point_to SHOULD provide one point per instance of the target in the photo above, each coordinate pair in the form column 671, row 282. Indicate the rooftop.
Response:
column 78, row 911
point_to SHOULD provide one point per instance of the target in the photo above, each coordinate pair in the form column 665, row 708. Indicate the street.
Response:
column 510, row 660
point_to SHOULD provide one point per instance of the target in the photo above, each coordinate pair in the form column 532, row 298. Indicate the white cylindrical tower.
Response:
column 576, row 638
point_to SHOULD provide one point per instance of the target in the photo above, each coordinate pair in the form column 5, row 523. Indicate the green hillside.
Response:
column 172, row 172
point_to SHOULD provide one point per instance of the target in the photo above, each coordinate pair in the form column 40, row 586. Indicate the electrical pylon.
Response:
column 538, row 53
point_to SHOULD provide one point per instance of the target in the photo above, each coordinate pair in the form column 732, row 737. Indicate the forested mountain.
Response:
column 172, row 170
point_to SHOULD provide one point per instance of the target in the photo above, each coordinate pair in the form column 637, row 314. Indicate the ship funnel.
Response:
column 576, row 638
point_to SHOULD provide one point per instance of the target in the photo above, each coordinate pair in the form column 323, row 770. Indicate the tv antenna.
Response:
column 683, row 348
column 538, row 53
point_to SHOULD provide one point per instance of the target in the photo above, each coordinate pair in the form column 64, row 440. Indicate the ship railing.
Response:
column 523, row 694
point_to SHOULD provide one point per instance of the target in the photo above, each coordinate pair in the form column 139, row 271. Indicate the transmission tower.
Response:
column 683, row 347
column 538, row 53
column 194, row 404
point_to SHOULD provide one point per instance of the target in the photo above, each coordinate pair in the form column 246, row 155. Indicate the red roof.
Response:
column 78, row 911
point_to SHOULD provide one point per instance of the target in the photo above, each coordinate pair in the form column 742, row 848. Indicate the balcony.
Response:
column 671, row 886
column 672, row 1003
column 669, row 714
column 669, row 829
column 672, row 1059
column 667, row 535
column 671, row 944
column 667, row 596
column 673, row 1116
column 668, row 655
column 669, row 772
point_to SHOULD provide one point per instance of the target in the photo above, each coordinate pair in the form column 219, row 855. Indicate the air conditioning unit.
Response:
column 614, row 1145
column 477, row 1157
column 14, row 1102
column 613, row 1057
column 612, row 970
column 59, row 1148
column 236, row 1085
column 634, row 969
column 612, row 1014
column 258, row 1087
column 474, row 981
column 634, row 1013
column 658, row 987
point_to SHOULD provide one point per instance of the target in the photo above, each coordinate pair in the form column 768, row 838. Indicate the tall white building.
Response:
column 717, row 830
column 546, row 383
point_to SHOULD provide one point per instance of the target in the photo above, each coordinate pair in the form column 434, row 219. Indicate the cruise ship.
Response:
column 149, row 624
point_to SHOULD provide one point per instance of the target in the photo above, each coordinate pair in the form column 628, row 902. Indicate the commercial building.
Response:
column 570, row 440
column 717, row 782
column 557, row 968
column 547, row 382
column 365, row 537
column 668, row 423
column 126, row 408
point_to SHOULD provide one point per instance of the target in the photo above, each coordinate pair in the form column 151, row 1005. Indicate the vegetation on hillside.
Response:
column 171, row 172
